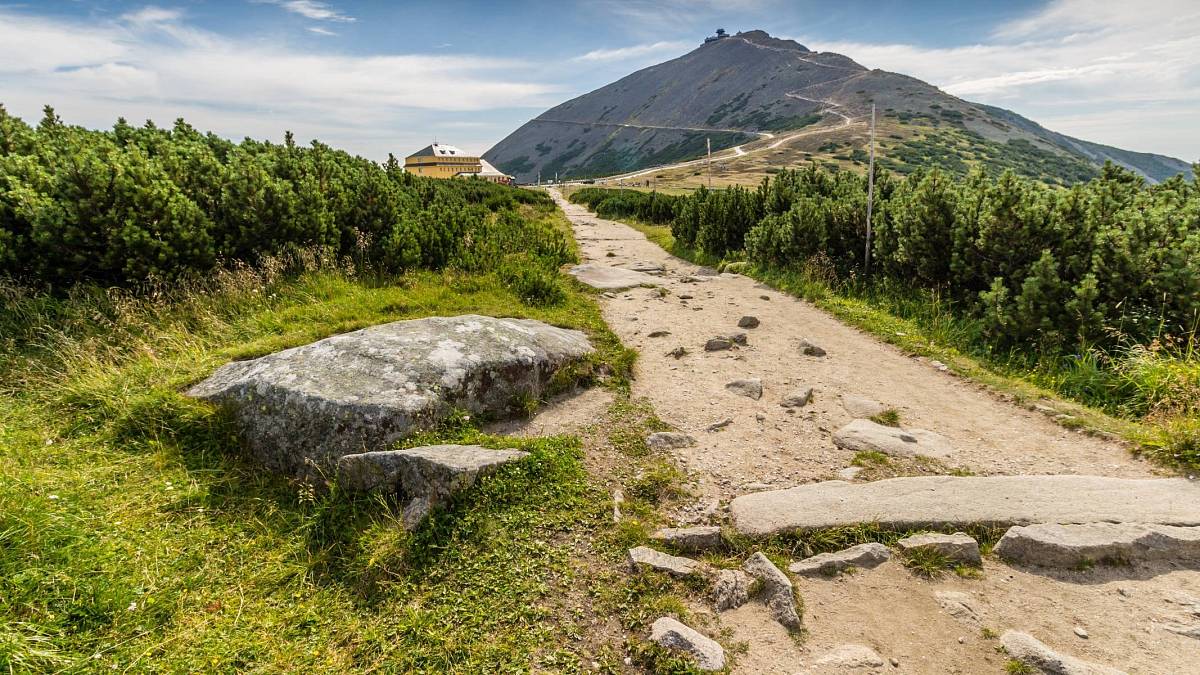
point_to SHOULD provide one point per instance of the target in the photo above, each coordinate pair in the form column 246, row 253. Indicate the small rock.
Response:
column 851, row 656
column 849, row 473
column 717, row 426
column 658, row 333
column 618, row 498
column 863, row 556
column 798, row 398
column 861, row 435
column 1192, row 631
column 678, row 353
column 677, row 637
column 1081, row 632
column 961, row 639
column 718, row 344
column 1032, row 652
column 644, row 556
column 764, row 297
column 706, row 272
column 777, row 590
column 861, row 407
column 809, row 349
column 751, row 388
column 731, row 589
column 958, row 605
column 685, row 296
column 748, row 322
column 739, row 339
column 958, row 547
column 939, row 365
column 895, row 662
column 699, row 538
column 669, row 440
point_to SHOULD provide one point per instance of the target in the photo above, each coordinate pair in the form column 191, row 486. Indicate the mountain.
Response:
column 770, row 102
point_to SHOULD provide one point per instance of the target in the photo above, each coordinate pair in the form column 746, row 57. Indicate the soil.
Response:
column 767, row 446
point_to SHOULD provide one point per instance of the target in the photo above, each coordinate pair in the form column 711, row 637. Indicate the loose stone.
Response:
column 677, row 637
column 864, row 556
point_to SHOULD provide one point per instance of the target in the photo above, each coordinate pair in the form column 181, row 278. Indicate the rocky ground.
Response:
column 730, row 362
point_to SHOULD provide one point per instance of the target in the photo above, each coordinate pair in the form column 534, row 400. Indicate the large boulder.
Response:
column 301, row 409
column 423, row 477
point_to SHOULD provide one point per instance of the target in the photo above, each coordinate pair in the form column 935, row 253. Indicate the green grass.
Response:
column 134, row 536
column 888, row 418
column 1149, row 396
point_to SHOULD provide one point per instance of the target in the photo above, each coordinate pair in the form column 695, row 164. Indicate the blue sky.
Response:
column 379, row 77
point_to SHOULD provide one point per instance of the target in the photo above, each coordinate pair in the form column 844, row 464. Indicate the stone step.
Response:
column 607, row 278
column 1074, row 546
column 424, row 477
column 954, row 501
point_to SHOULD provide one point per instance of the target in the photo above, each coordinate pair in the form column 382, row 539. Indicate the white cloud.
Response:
column 154, row 65
column 320, row 31
column 634, row 51
column 1072, row 65
column 312, row 9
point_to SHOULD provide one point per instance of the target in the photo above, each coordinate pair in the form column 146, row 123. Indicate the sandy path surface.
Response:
column 769, row 445
column 888, row 608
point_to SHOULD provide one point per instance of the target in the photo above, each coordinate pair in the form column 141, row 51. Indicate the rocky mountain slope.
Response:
column 751, row 88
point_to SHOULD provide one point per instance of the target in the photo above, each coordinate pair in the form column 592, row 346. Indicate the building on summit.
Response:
column 446, row 161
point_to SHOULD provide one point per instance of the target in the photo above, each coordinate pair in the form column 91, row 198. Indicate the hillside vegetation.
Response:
column 1092, row 290
column 136, row 205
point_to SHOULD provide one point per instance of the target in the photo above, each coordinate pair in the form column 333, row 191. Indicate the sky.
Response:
column 380, row 77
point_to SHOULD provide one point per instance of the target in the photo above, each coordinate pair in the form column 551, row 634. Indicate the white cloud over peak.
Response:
column 635, row 51
column 1089, row 68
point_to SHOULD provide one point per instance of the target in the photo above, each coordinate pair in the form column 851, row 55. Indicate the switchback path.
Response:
column 764, row 446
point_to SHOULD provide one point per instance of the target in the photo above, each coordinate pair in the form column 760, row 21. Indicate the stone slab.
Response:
column 1073, row 546
column 424, row 476
column 608, row 278
column 954, row 501
column 862, row 556
column 860, row 435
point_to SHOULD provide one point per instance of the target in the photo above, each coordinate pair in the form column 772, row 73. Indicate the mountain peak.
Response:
column 764, row 39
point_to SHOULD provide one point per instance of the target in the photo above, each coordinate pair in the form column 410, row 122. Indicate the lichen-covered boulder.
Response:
column 301, row 409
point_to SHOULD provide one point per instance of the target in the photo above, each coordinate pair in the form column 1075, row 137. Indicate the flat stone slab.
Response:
column 954, row 501
column 958, row 547
column 696, row 538
column 608, row 278
column 703, row 650
column 851, row 657
column 669, row 440
column 1073, row 546
column 1034, row 653
column 425, row 476
column 301, row 409
column 862, row 435
column 644, row 556
column 862, row 556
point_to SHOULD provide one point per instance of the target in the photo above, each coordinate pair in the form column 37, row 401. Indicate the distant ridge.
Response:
column 749, row 86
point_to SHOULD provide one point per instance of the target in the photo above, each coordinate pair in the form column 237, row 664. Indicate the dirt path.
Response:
column 765, row 445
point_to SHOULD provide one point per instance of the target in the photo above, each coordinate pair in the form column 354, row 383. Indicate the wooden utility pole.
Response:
column 870, row 193
column 708, row 142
